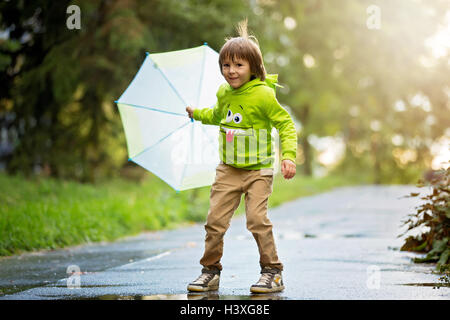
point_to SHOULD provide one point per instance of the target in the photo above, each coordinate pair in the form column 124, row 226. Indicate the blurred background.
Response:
column 367, row 83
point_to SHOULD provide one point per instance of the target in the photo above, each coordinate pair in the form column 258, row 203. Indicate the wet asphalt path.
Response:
column 338, row 245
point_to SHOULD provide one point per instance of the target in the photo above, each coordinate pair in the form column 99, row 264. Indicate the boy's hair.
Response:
column 244, row 47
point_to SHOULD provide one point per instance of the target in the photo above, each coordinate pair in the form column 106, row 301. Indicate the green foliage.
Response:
column 345, row 79
column 434, row 214
column 50, row 213
column 47, row 213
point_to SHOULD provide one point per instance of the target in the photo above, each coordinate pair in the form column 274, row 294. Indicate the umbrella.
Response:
column 160, row 136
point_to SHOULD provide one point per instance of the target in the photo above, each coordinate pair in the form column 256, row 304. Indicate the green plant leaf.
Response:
column 439, row 246
column 428, row 258
column 444, row 257
column 420, row 247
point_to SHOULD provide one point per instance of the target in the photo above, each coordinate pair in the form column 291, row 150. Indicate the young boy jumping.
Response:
column 246, row 110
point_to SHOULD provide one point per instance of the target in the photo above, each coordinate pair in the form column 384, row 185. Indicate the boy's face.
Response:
column 236, row 72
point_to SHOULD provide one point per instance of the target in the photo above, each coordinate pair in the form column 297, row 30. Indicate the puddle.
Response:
column 93, row 286
column 430, row 284
column 357, row 235
column 293, row 235
column 188, row 296
column 333, row 236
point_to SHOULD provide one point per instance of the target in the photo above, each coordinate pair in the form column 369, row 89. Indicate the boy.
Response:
column 246, row 109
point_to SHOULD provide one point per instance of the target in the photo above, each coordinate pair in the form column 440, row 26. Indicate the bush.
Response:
column 434, row 214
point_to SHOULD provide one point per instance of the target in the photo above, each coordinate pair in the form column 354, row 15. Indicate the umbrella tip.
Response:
column 147, row 53
column 192, row 119
column 205, row 43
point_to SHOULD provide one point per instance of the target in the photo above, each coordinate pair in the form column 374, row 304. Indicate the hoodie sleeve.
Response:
column 282, row 121
column 211, row 116
column 208, row 115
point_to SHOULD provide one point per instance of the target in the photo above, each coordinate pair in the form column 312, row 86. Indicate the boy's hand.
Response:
column 190, row 112
column 288, row 169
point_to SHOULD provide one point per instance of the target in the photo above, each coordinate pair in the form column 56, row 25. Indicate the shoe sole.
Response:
column 202, row 289
column 266, row 290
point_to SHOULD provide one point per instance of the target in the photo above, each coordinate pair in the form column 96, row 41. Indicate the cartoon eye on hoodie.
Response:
column 236, row 123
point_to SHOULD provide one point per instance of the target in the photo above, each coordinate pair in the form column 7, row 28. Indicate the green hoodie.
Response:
column 246, row 116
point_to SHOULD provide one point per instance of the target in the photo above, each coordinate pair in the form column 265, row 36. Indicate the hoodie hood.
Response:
column 272, row 81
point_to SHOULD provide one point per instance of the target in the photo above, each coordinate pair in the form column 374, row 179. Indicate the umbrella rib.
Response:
column 206, row 133
column 162, row 139
column 134, row 78
column 168, row 81
column 150, row 108
column 190, row 155
column 156, row 174
column 201, row 76
column 209, row 138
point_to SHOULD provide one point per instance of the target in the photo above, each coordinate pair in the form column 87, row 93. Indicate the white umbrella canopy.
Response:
column 160, row 136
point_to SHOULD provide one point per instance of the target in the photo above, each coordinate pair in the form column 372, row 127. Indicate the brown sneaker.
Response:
column 207, row 281
column 270, row 281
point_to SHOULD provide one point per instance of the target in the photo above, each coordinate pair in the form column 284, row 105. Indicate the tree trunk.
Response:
column 374, row 146
column 307, row 165
column 306, row 147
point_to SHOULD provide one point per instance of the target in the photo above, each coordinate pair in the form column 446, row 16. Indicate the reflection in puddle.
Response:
column 216, row 296
column 190, row 296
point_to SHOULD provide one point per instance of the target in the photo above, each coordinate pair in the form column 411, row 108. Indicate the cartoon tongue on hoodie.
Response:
column 234, row 123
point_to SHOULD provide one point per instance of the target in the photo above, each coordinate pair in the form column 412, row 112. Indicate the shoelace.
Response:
column 265, row 279
column 204, row 277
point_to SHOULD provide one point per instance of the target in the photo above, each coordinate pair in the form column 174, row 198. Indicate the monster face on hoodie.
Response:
column 236, row 123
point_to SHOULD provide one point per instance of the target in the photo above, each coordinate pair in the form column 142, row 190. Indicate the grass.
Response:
column 44, row 213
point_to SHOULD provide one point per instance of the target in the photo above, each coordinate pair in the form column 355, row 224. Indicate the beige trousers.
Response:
column 226, row 192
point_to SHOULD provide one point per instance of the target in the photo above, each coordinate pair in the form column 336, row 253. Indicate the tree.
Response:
column 345, row 78
column 61, row 83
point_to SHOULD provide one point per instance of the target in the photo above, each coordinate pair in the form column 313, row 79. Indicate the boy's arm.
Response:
column 211, row 115
column 208, row 115
column 281, row 120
